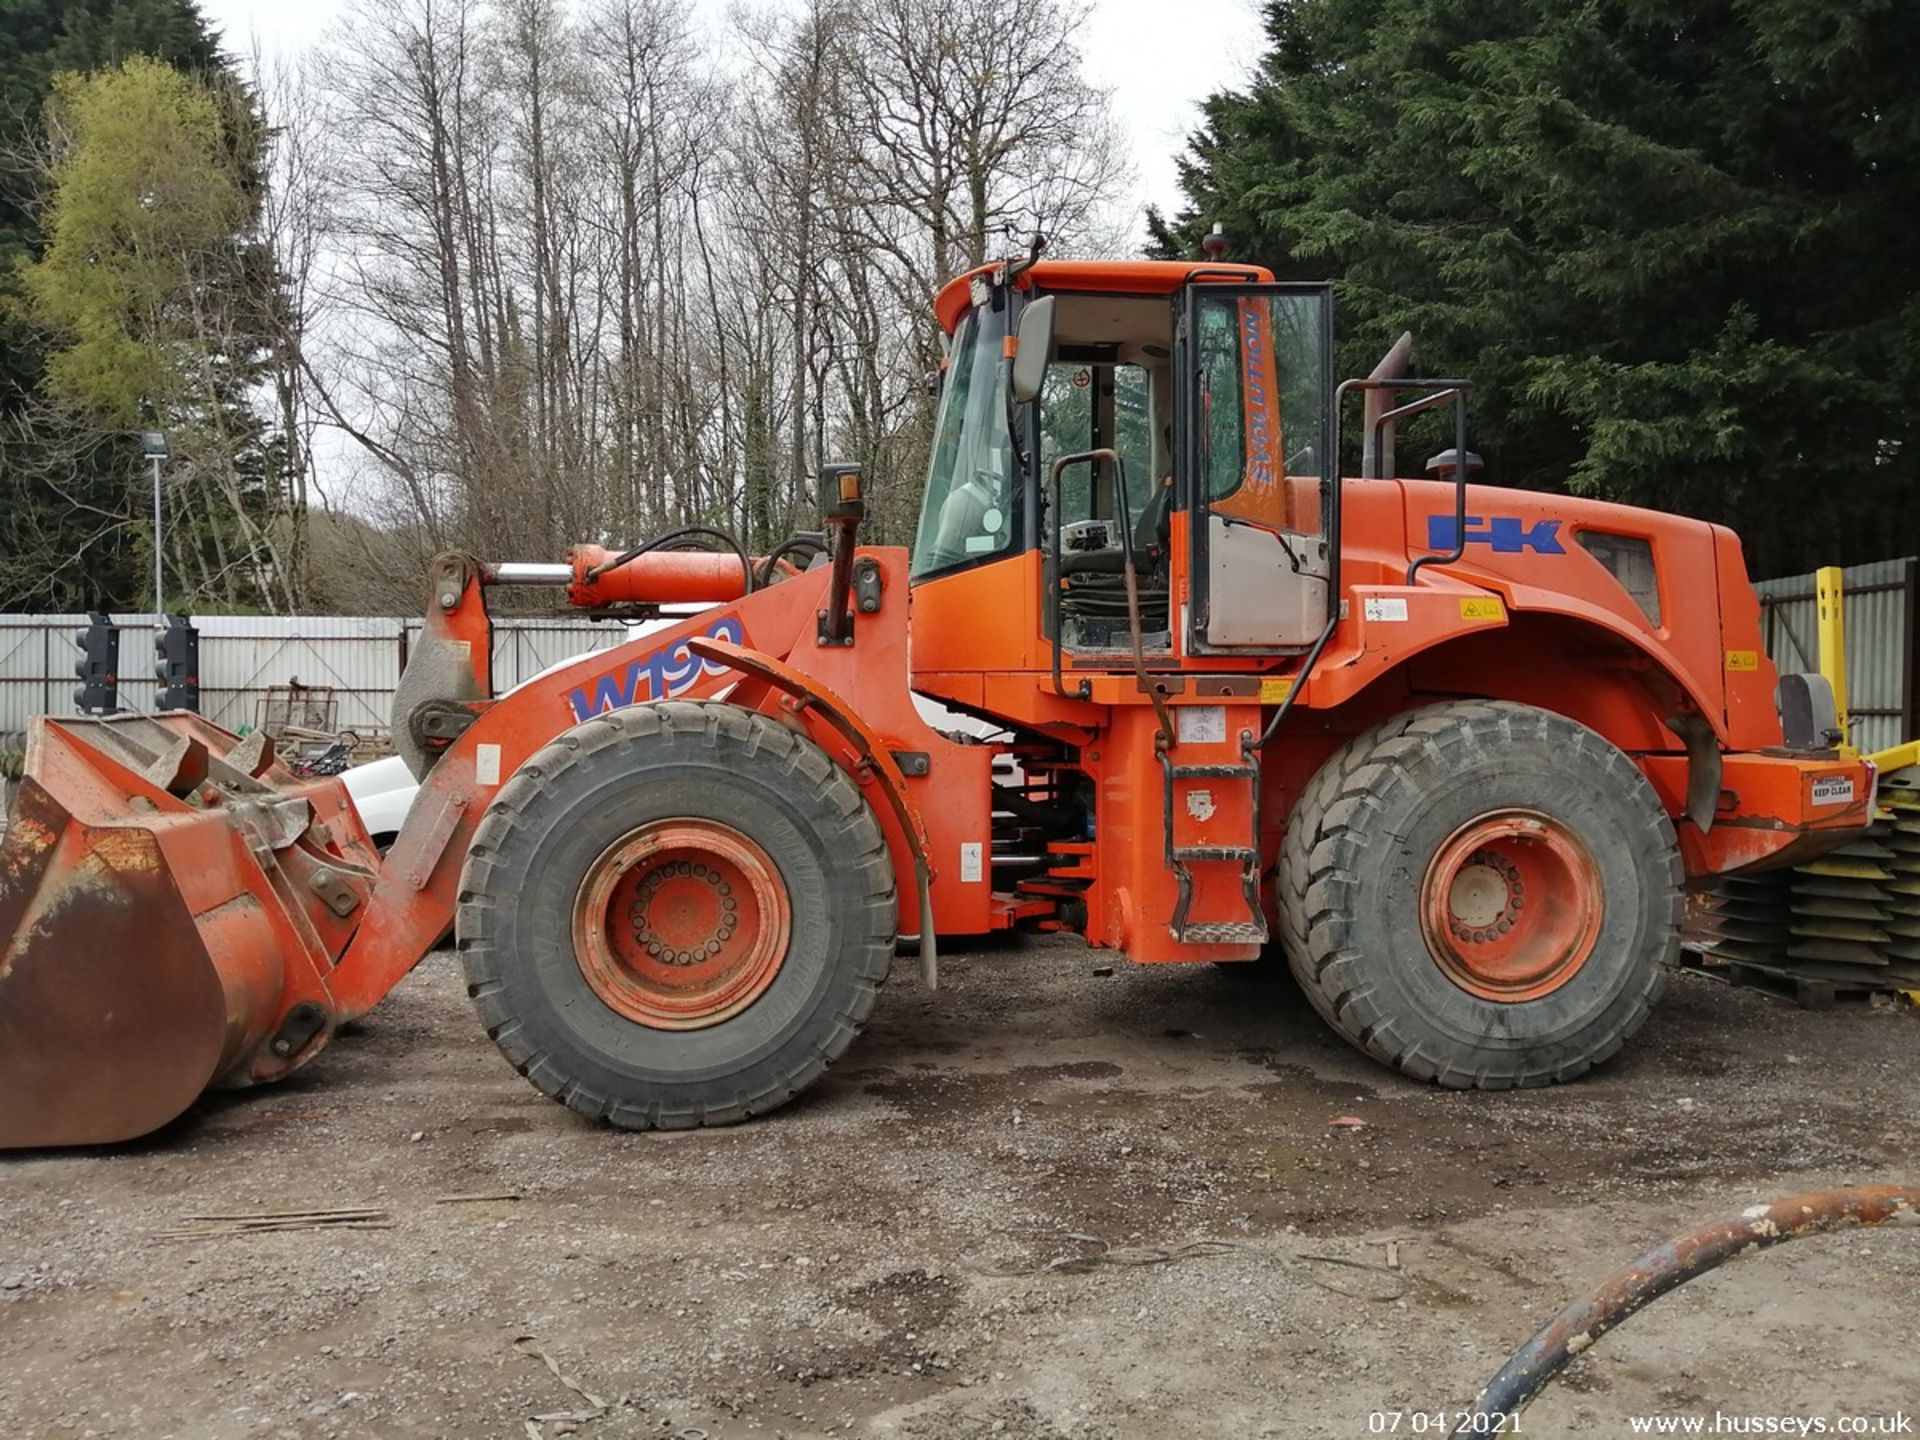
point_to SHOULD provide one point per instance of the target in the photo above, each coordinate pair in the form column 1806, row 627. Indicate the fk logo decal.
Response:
column 1503, row 534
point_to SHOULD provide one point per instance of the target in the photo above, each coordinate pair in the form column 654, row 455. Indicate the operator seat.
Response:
column 1152, row 531
column 1096, row 586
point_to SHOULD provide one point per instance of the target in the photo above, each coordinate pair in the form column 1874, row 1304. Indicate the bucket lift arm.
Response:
column 181, row 911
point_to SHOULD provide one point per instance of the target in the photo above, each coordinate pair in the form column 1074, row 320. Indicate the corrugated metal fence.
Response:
column 1883, row 602
column 359, row 657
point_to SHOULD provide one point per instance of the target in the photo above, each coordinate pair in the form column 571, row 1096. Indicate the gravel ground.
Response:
column 907, row 1250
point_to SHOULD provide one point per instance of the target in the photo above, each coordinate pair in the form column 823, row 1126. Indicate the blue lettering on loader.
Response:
column 1503, row 534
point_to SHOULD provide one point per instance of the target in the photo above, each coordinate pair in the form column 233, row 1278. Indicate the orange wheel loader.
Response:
column 1454, row 751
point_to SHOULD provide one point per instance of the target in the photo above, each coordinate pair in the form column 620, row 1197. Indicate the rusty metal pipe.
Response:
column 836, row 621
column 1377, row 453
column 842, row 508
column 1667, row 1267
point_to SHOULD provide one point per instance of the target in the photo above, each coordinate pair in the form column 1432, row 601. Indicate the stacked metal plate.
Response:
column 1900, row 803
column 1844, row 925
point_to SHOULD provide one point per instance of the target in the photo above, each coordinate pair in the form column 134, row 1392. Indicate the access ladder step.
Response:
column 1244, row 854
column 1215, row 772
column 1225, row 932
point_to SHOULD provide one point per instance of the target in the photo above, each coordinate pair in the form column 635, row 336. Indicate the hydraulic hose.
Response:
column 802, row 543
column 1667, row 1267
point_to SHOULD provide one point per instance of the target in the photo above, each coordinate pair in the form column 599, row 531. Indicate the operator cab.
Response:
column 1209, row 389
column 1108, row 386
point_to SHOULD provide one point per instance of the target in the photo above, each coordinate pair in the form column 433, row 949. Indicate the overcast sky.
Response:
column 1159, row 60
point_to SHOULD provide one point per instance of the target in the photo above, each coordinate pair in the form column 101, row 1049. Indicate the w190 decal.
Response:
column 1503, row 534
column 671, row 670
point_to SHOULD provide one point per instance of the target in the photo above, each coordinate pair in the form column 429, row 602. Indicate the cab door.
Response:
column 1252, row 433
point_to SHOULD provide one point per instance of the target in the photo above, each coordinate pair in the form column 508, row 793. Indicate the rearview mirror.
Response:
column 1031, row 354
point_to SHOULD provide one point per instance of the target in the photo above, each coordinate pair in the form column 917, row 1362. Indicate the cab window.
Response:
column 1261, row 362
column 967, row 514
column 1086, row 405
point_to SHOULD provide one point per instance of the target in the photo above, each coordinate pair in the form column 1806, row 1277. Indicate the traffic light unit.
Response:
column 178, row 666
column 98, row 667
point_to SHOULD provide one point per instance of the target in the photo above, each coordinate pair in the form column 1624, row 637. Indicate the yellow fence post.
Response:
column 1830, row 596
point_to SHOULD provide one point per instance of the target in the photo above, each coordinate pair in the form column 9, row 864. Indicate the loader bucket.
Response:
column 169, row 897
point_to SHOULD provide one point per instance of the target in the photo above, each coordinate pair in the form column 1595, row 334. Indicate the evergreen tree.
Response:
column 1670, row 241
column 72, row 531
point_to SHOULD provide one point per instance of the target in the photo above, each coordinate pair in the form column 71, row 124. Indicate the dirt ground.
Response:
column 879, row 1258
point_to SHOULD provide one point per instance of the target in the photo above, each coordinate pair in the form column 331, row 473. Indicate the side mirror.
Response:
column 1031, row 354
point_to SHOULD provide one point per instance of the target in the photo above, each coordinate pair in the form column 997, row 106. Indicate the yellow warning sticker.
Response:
column 1272, row 692
column 1743, row 659
column 1482, row 607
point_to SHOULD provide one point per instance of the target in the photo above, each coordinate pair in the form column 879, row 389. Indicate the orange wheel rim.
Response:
column 681, row 924
column 1511, row 906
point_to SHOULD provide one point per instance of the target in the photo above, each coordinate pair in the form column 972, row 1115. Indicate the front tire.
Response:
column 1482, row 894
column 677, row 914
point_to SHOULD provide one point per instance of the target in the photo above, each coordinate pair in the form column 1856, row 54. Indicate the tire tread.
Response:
column 860, row 851
column 1320, row 870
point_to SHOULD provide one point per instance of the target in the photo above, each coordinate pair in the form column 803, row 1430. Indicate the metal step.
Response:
column 1252, row 930
column 1242, row 853
column 1224, row 932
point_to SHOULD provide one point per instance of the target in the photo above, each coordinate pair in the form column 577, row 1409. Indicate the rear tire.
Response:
column 1406, row 875
column 603, row 854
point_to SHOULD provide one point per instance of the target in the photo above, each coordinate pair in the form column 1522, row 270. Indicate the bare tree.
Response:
column 975, row 119
column 423, row 301
column 652, row 117
column 575, row 285
column 296, row 216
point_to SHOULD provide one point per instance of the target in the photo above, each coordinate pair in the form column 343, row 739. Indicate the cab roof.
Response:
column 1109, row 277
